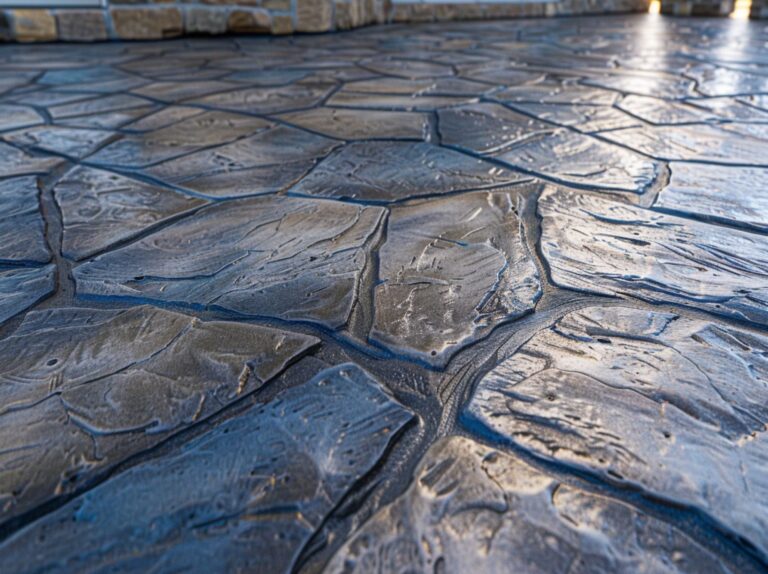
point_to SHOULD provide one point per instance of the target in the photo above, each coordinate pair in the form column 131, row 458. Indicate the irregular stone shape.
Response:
column 49, row 97
column 599, row 246
column 71, row 142
column 450, row 271
column 580, row 160
column 694, row 143
column 499, row 74
column 244, row 497
column 488, row 128
column 407, row 68
column 22, row 287
column 361, row 124
column 733, row 195
column 552, row 92
column 266, row 162
column 716, row 81
column 22, row 229
column 269, row 100
column 109, row 103
column 290, row 258
column 13, row 117
column 192, row 134
column 437, row 86
column 100, row 209
column 84, row 389
column 759, row 101
column 267, row 78
column 392, row 171
column 645, row 84
column 471, row 508
column 582, row 117
column 179, row 91
column 69, row 76
column 164, row 118
column 106, row 120
column 672, row 406
column 18, row 78
column 14, row 161
column 556, row 153
column 729, row 108
column 426, row 103
column 664, row 112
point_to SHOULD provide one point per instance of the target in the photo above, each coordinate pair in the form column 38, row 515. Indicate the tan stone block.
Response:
column 380, row 10
column 34, row 25
column 497, row 11
column 401, row 13
column 523, row 10
column 279, row 5
column 423, row 13
column 343, row 16
column 361, row 12
column 282, row 25
column 469, row 11
column 249, row 22
column 81, row 25
column 445, row 12
column 233, row 2
column 205, row 20
column 314, row 15
column 146, row 23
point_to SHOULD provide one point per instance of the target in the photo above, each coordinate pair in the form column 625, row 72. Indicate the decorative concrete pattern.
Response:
column 440, row 299
column 669, row 405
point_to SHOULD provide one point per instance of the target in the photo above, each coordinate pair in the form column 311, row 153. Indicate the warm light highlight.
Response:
column 654, row 7
column 741, row 9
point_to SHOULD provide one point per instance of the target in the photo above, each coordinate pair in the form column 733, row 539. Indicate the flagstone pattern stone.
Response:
column 450, row 271
column 100, row 209
column 734, row 195
column 472, row 507
column 546, row 150
column 82, row 392
column 22, row 287
column 288, row 258
column 373, row 172
column 669, row 405
column 22, row 229
column 246, row 496
column 430, row 298
column 601, row 246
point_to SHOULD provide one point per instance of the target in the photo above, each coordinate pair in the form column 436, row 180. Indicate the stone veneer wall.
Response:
column 697, row 7
column 155, row 19
column 759, row 9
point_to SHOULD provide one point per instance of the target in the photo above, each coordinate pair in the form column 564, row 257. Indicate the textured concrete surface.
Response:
column 443, row 298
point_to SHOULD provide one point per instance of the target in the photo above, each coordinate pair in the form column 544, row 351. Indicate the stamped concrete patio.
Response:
column 444, row 298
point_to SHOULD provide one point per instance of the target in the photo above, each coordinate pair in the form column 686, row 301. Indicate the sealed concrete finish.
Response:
column 441, row 298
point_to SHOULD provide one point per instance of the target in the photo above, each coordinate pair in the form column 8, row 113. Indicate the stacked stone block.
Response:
column 158, row 19
column 697, row 7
